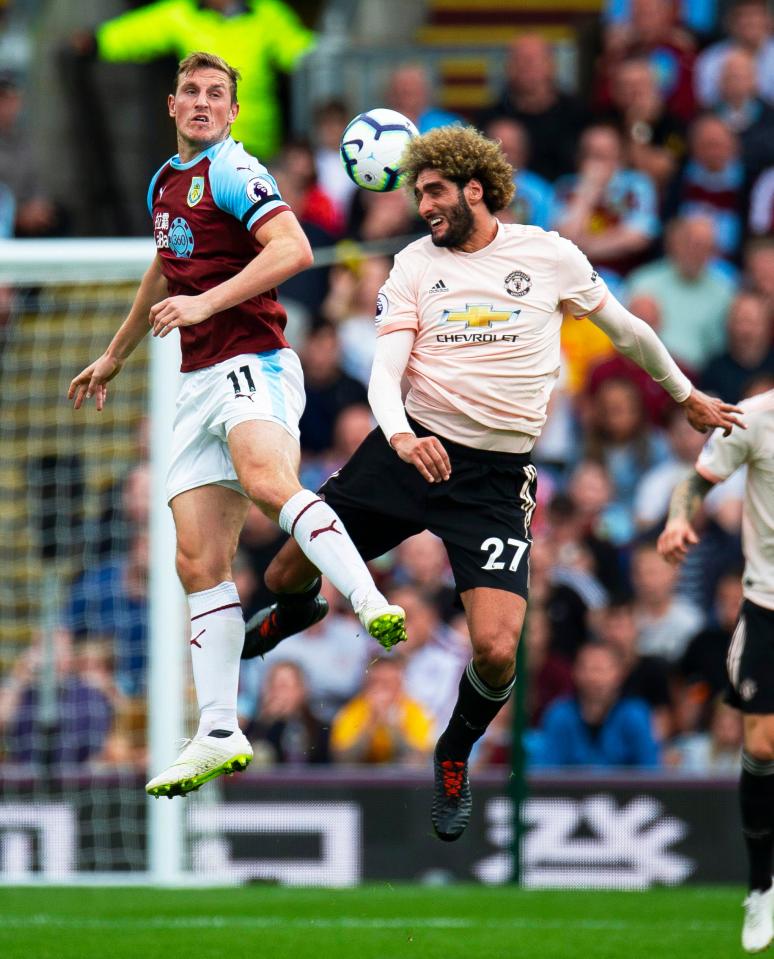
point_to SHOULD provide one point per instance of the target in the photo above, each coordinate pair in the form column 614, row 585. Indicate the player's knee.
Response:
column 266, row 493
column 200, row 572
column 759, row 745
column 494, row 654
column 277, row 577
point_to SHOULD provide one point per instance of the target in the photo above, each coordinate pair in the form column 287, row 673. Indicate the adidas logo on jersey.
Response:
column 439, row 287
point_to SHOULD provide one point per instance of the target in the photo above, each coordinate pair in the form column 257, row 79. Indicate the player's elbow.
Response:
column 304, row 256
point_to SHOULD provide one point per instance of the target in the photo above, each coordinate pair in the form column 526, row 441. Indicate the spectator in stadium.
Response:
column 125, row 507
column 748, row 26
column 666, row 621
column 330, row 119
column 380, row 216
column 553, row 119
column 549, row 675
column 78, row 729
column 692, row 292
column 651, row 32
column 656, row 403
column 761, row 219
column 332, row 656
column 617, row 435
column 598, row 726
column 421, row 561
column 591, row 489
column 329, row 389
column 409, row 91
column 698, row 16
column 746, row 113
column 712, row 183
column 349, row 305
column 435, row 653
column 352, row 426
column 645, row 677
column 257, row 37
column 610, row 212
column 568, row 530
column 285, row 729
column 718, row 750
column 759, row 268
column 702, row 667
column 654, row 138
column 533, row 201
column 296, row 173
column 749, row 348
column 111, row 601
column 382, row 724
column 26, row 209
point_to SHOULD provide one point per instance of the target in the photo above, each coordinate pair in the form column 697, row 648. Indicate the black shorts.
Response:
column 750, row 661
column 482, row 512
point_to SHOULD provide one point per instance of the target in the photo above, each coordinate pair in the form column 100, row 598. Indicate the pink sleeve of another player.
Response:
column 581, row 288
column 396, row 304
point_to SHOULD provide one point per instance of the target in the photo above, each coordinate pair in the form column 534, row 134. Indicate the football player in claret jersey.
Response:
column 471, row 316
column 750, row 658
column 225, row 239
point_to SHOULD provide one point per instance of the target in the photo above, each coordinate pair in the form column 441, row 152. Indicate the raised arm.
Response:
column 93, row 380
column 634, row 338
column 384, row 395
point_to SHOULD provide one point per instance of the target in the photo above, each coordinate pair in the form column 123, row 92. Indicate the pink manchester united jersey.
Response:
column 486, row 354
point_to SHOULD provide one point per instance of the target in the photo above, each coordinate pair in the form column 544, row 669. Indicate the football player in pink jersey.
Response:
column 750, row 658
column 471, row 316
column 225, row 239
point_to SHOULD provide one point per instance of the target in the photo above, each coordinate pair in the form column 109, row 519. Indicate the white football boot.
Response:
column 386, row 624
column 758, row 928
column 202, row 759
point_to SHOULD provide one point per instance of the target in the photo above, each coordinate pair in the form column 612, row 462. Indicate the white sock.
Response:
column 217, row 637
column 321, row 535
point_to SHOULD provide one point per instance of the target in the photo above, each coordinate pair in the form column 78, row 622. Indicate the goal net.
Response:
column 88, row 581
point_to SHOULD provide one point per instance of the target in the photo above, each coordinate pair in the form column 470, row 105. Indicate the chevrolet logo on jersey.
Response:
column 478, row 315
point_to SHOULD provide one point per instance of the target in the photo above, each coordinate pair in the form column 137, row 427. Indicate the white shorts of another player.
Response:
column 211, row 402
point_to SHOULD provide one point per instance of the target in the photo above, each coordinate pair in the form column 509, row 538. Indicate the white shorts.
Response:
column 211, row 402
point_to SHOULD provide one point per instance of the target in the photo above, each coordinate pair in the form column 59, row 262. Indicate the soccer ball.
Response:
column 371, row 148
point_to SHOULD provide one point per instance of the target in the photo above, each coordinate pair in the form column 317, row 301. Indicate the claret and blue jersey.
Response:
column 205, row 213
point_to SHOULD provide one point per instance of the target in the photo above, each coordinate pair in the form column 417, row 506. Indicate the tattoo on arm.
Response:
column 688, row 497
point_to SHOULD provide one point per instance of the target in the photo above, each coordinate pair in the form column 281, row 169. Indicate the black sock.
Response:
column 477, row 705
column 756, row 794
column 301, row 598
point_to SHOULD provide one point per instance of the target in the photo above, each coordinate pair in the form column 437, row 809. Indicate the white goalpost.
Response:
column 56, row 294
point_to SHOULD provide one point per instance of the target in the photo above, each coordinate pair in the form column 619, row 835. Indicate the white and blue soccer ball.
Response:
column 371, row 148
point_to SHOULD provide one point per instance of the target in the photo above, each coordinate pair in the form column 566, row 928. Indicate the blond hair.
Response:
column 461, row 154
column 208, row 61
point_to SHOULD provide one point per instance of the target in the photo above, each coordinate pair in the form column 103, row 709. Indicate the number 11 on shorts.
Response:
column 495, row 546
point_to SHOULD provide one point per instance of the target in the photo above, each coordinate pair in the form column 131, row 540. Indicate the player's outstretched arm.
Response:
column 384, row 394
column 634, row 338
column 679, row 534
column 93, row 380
column 285, row 252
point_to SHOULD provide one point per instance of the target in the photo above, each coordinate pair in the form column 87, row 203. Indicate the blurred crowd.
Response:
column 662, row 172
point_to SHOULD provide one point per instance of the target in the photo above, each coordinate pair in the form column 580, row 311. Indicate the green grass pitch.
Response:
column 372, row 922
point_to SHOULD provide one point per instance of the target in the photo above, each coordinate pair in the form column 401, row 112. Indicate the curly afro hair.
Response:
column 461, row 154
